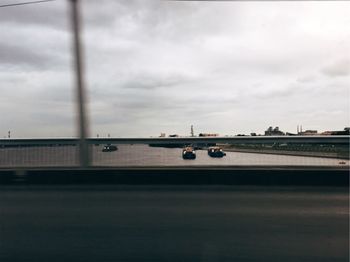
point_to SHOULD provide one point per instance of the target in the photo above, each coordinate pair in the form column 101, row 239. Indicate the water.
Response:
column 143, row 155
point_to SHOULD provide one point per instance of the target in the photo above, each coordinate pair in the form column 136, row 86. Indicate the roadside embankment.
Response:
column 338, row 155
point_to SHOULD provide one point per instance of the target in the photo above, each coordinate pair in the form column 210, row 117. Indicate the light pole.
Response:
column 84, row 155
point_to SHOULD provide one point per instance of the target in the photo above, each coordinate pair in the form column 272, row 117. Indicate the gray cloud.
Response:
column 145, row 81
column 160, row 66
column 51, row 14
column 12, row 55
column 337, row 69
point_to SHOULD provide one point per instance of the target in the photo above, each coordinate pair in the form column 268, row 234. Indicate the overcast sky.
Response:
column 159, row 66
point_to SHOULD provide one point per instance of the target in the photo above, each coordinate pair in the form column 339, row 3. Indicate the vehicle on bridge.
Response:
column 109, row 148
column 188, row 153
column 216, row 151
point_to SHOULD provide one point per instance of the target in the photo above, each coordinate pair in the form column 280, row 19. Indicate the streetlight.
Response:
column 84, row 155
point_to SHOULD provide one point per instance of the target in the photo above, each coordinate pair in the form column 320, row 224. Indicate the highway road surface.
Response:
column 173, row 223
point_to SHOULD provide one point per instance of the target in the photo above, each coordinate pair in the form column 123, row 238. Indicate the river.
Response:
column 143, row 155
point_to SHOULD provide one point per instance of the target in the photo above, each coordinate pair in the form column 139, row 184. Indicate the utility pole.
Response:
column 192, row 132
column 80, row 88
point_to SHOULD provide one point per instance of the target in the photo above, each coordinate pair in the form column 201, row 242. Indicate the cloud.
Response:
column 337, row 69
column 306, row 79
column 17, row 56
column 155, row 66
column 51, row 14
column 150, row 82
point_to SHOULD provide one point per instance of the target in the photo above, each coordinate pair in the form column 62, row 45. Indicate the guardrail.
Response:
column 343, row 139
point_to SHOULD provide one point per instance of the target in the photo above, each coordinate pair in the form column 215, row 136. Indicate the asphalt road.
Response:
column 177, row 223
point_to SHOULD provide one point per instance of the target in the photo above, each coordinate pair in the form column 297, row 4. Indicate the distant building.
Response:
column 274, row 131
column 327, row 133
column 207, row 134
column 308, row 133
column 162, row 135
column 346, row 131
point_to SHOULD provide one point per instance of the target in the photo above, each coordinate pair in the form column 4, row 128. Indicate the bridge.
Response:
column 342, row 139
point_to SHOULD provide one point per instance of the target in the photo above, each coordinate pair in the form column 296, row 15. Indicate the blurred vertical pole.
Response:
column 80, row 88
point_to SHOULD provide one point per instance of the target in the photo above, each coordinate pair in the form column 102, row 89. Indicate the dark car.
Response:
column 216, row 152
column 109, row 148
column 188, row 153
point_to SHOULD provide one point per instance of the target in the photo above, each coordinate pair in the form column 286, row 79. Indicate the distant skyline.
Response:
column 159, row 67
column 189, row 134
